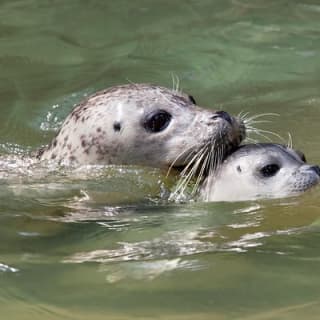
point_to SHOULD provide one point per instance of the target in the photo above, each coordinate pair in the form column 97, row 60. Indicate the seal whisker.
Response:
column 189, row 169
column 261, row 131
column 187, row 174
column 243, row 115
column 179, row 156
column 210, row 159
column 131, row 82
column 215, row 162
column 175, row 82
column 201, row 174
column 290, row 142
column 252, row 140
column 192, row 161
column 250, row 121
column 177, row 89
column 260, row 115
column 258, row 121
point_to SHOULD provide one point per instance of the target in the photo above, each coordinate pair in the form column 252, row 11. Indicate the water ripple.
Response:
column 6, row 268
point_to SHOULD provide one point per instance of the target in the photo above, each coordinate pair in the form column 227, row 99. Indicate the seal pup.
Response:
column 143, row 124
column 264, row 170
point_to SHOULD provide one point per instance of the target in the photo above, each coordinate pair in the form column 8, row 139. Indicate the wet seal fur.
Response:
column 142, row 124
column 264, row 170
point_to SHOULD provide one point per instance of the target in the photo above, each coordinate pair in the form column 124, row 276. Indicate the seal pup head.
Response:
column 263, row 170
column 141, row 124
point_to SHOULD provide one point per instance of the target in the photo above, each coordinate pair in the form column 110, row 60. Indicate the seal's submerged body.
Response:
column 264, row 170
column 142, row 124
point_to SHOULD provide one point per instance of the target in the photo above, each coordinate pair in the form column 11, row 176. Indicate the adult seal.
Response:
column 264, row 170
column 142, row 124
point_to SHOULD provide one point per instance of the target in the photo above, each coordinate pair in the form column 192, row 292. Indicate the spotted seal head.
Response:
column 141, row 124
column 263, row 170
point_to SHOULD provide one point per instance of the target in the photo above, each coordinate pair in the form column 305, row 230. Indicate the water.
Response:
column 103, row 243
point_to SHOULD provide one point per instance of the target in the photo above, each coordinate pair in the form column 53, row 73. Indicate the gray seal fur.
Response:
column 141, row 124
column 265, row 170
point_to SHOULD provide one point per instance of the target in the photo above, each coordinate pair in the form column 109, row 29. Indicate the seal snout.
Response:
column 224, row 115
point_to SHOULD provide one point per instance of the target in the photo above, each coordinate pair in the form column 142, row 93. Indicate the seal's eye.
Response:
column 157, row 121
column 269, row 170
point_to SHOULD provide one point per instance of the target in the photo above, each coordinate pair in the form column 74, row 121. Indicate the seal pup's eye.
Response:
column 269, row 170
column 157, row 121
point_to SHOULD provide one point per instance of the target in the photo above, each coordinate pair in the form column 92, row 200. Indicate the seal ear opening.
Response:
column 301, row 155
column 191, row 98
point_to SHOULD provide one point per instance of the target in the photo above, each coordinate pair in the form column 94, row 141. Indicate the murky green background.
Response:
column 103, row 244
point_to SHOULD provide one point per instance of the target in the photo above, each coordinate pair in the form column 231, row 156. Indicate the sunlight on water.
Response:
column 96, row 242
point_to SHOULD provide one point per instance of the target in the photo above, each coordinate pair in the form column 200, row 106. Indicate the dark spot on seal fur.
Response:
column 53, row 156
column 99, row 129
column 55, row 142
column 117, row 126
column 239, row 169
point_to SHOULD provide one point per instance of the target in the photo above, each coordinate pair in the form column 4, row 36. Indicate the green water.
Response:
column 103, row 245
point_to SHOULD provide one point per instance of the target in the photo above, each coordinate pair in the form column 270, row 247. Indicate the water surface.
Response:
column 103, row 242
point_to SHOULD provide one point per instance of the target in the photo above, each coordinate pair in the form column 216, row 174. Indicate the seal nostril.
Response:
column 222, row 114
column 316, row 169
